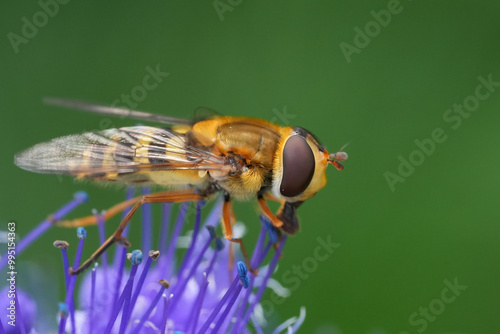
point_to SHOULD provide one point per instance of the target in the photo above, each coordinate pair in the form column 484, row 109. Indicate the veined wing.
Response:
column 115, row 111
column 120, row 151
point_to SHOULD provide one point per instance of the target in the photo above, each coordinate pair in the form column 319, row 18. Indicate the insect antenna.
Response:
column 335, row 158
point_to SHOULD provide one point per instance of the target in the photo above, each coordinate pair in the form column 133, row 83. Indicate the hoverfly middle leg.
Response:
column 162, row 197
column 228, row 219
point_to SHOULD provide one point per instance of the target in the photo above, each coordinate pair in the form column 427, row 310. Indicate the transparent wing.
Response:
column 114, row 111
column 124, row 150
column 203, row 113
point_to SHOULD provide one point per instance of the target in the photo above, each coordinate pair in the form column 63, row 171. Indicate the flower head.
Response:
column 207, row 291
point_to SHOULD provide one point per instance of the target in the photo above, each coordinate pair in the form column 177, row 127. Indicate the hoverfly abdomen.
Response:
column 156, row 153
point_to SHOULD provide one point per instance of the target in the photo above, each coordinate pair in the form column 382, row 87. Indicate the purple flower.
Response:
column 13, row 300
column 207, row 291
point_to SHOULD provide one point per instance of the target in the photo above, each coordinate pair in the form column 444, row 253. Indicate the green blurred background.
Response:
column 264, row 57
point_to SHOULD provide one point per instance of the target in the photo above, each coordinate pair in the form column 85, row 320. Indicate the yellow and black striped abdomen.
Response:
column 138, row 155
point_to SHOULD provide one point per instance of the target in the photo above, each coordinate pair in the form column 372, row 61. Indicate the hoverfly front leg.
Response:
column 228, row 219
column 271, row 197
column 163, row 197
column 266, row 211
column 278, row 223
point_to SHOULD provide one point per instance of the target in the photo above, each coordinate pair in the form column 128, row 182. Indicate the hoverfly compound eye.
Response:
column 298, row 166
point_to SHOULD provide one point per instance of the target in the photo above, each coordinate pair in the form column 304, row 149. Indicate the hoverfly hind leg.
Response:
column 162, row 197
column 91, row 220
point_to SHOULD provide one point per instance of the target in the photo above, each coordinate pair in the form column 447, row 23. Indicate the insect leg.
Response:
column 173, row 196
column 265, row 210
column 227, row 219
column 227, row 227
column 271, row 197
column 227, row 214
column 91, row 220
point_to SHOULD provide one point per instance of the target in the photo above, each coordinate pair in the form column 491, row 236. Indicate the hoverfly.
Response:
column 241, row 157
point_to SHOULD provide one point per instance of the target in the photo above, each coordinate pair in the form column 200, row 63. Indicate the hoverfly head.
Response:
column 300, row 166
column 300, row 172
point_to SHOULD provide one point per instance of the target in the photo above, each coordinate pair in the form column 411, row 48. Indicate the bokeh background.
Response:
column 273, row 58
